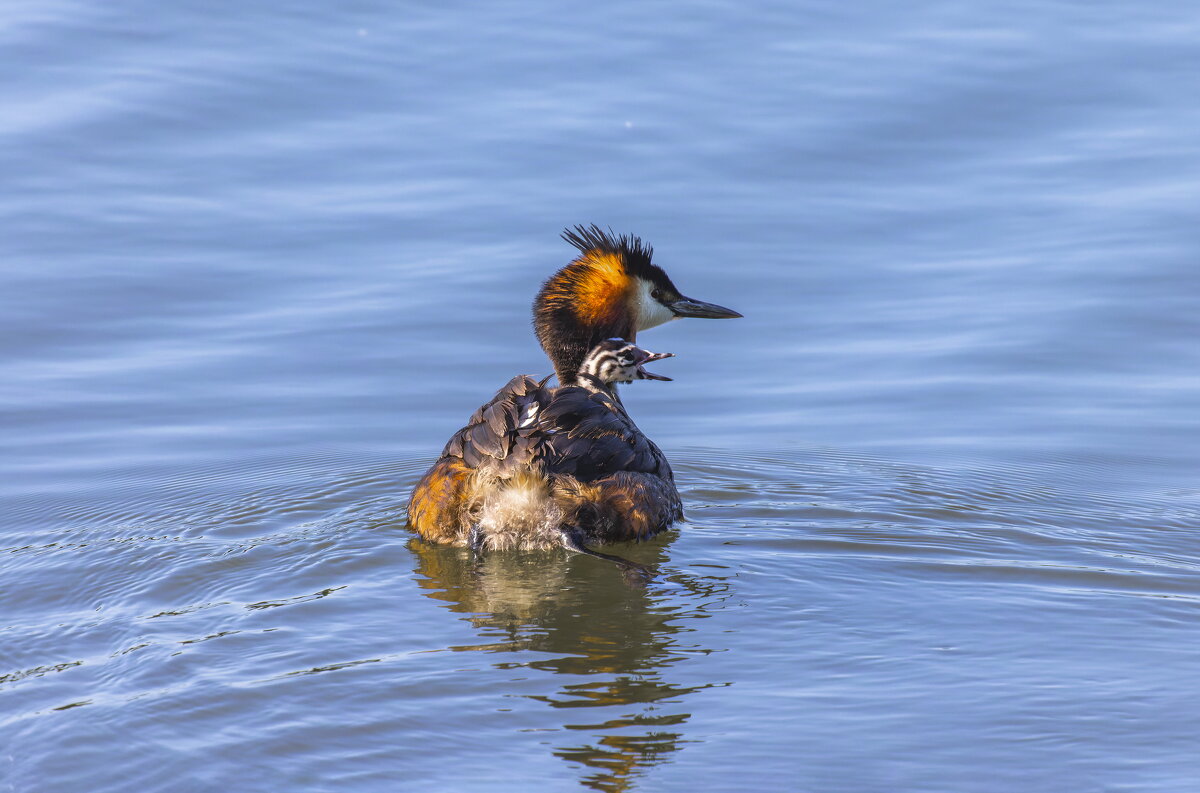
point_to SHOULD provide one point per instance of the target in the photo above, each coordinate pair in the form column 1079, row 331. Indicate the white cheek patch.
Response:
column 650, row 312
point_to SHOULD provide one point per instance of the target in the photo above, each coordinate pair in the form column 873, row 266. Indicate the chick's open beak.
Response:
column 652, row 356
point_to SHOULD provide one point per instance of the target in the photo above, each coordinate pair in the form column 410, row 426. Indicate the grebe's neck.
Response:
column 580, row 306
column 590, row 382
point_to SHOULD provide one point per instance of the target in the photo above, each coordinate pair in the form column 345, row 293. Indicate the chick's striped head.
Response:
column 620, row 361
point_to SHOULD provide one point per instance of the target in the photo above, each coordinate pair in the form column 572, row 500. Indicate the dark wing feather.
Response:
column 568, row 431
column 494, row 436
column 589, row 435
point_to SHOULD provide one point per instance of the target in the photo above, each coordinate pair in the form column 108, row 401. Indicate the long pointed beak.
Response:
column 686, row 307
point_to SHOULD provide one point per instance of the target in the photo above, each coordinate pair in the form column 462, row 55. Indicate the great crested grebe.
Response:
column 540, row 467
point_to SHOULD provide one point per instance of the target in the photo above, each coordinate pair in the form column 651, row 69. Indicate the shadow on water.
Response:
column 617, row 642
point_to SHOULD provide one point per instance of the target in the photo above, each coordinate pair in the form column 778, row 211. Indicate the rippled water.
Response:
column 941, row 481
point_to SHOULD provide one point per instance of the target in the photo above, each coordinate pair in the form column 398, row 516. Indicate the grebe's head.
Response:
column 610, row 290
column 615, row 361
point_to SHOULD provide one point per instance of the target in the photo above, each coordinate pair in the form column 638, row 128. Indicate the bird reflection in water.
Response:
column 583, row 619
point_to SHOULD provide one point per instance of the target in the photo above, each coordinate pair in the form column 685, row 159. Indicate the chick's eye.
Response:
column 656, row 294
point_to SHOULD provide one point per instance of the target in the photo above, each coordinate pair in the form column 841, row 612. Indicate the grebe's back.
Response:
column 541, row 467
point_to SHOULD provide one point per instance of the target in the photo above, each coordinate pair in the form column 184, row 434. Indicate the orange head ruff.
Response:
column 595, row 297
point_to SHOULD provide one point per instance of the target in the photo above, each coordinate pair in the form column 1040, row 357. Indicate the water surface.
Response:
column 941, row 480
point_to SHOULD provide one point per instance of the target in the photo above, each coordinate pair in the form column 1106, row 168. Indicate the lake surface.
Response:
column 258, row 263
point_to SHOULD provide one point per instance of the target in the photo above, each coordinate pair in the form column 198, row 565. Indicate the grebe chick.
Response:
column 542, row 467
column 615, row 361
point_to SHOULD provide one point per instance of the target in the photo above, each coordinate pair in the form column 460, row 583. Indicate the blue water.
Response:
column 259, row 262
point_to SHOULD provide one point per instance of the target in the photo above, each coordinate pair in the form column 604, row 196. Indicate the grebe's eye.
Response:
column 657, row 295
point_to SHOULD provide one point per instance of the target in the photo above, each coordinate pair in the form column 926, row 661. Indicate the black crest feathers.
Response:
column 593, row 238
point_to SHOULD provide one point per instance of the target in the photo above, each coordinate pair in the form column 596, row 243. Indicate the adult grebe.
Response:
column 540, row 467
